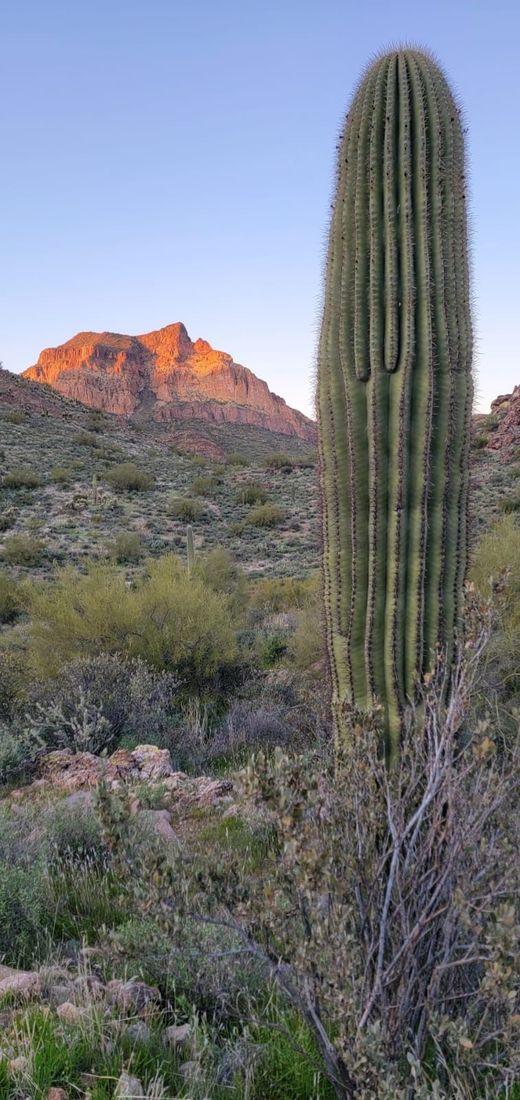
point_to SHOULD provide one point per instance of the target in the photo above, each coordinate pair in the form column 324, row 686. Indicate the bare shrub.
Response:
column 386, row 910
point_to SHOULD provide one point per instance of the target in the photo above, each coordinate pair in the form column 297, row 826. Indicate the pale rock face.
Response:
column 19, row 984
column 164, row 376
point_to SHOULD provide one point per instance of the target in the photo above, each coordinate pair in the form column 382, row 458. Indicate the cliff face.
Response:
column 164, row 376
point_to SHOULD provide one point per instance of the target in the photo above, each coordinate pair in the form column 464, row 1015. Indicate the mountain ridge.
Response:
column 164, row 376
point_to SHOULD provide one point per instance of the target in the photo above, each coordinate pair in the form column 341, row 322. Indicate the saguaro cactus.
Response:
column 395, row 389
column 190, row 549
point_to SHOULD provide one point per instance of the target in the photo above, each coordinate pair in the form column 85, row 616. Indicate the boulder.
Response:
column 19, row 984
column 132, row 995
column 129, row 1087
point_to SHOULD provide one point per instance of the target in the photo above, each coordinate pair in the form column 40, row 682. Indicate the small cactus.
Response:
column 190, row 549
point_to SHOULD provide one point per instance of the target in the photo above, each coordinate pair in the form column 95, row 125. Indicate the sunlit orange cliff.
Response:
column 164, row 376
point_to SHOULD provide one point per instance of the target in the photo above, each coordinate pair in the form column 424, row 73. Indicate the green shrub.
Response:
column 86, row 439
column 10, row 603
column 23, row 907
column 496, row 570
column 7, row 519
column 126, row 475
column 61, row 475
column 479, row 442
column 16, row 416
column 510, row 504
column 126, row 548
column 283, row 593
column 265, row 515
column 237, row 460
column 185, row 508
column 252, row 493
column 281, row 461
column 220, row 573
column 204, row 486
column 173, row 621
column 21, row 478
column 23, row 550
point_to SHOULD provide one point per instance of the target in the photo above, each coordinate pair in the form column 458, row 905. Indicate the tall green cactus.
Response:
column 190, row 549
column 395, row 389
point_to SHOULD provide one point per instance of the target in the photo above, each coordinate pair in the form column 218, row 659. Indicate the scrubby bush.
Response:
column 23, row 550
column 265, row 515
column 10, row 600
column 173, row 621
column 61, row 475
column 18, row 751
column 23, row 910
column 185, row 508
column 221, row 574
column 496, row 572
column 283, row 593
column 21, row 478
column 204, row 486
column 252, row 493
column 7, row 519
column 126, row 548
column 128, row 476
column 280, row 461
column 236, row 460
column 510, row 503
column 137, row 702
column 16, row 416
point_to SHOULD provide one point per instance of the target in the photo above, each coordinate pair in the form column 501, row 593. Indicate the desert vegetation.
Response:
column 258, row 821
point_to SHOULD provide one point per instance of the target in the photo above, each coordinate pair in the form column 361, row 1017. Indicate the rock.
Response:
column 138, row 1032
column 69, row 1013
column 19, row 984
column 57, row 1094
column 79, row 800
column 151, row 763
column 128, row 1087
column 196, row 791
column 167, row 375
column 19, row 1064
column 506, row 438
column 132, row 995
column 177, row 1036
column 159, row 821
column 68, row 771
column 59, row 994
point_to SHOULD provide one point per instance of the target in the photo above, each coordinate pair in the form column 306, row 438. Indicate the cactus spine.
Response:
column 395, row 389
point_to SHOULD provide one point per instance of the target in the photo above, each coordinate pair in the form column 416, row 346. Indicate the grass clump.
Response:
column 126, row 549
column 252, row 493
column 185, row 508
column 21, row 478
column 128, row 476
column 265, row 515
column 23, row 550
column 204, row 485
column 10, row 598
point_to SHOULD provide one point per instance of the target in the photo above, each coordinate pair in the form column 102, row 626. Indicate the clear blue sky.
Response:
column 170, row 160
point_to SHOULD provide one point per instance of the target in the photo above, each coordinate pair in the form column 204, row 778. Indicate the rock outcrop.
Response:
column 506, row 437
column 163, row 376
